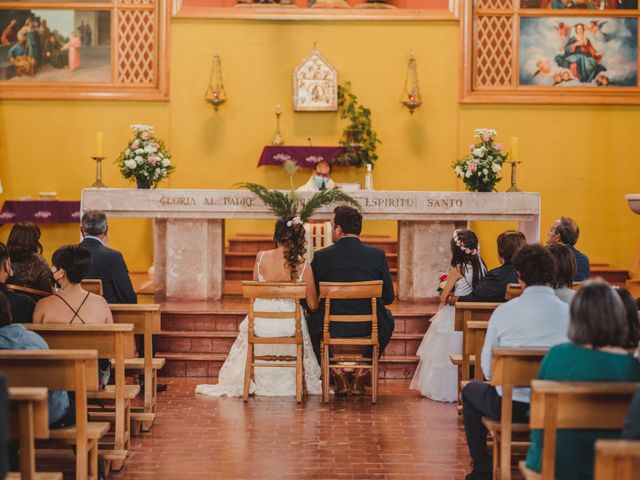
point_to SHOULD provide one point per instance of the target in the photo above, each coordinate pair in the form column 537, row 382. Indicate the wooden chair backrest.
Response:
column 351, row 290
column 274, row 290
column 39, row 400
column 617, row 459
column 513, row 290
column 576, row 286
column 110, row 340
column 32, row 291
column 472, row 311
column 93, row 285
column 145, row 317
column 576, row 405
column 473, row 337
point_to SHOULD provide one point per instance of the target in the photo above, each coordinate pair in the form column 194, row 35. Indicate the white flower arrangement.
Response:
column 146, row 159
column 480, row 169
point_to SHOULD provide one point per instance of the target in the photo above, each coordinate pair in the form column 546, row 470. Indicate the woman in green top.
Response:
column 598, row 332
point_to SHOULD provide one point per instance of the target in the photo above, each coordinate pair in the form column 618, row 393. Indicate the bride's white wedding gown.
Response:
column 436, row 377
column 269, row 381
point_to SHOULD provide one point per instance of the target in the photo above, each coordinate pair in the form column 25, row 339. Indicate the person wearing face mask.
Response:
column 21, row 305
column 320, row 178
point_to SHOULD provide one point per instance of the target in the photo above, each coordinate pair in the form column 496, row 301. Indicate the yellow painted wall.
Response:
column 580, row 158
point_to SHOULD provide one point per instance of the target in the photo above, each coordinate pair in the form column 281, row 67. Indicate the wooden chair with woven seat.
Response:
column 617, row 459
column 510, row 368
column 281, row 291
column 145, row 318
column 72, row 371
column 469, row 312
column 93, row 285
column 112, row 341
column 349, row 291
column 574, row 405
column 28, row 421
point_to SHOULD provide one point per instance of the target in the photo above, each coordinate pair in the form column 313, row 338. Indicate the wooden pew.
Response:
column 468, row 312
column 72, row 371
column 515, row 289
column 145, row 319
column 111, row 341
column 28, row 421
column 93, row 285
column 510, row 368
column 474, row 336
column 574, row 405
column 617, row 459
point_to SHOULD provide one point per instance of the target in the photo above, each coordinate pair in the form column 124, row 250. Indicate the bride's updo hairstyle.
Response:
column 289, row 234
column 465, row 250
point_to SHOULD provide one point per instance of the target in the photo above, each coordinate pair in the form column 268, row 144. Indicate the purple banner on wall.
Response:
column 40, row 211
column 305, row 157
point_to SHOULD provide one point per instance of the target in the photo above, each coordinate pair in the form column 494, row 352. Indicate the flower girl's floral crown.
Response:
column 460, row 244
column 294, row 221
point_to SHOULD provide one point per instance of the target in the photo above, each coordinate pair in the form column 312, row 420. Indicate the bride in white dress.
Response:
column 436, row 377
column 285, row 263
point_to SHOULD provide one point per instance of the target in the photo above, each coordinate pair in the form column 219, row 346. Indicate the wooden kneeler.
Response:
column 71, row 371
column 574, row 405
column 510, row 368
column 145, row 319
column 275, row 290
column 111, row 341
column 28, row 421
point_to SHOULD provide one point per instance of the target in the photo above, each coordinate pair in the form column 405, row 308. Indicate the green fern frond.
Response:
column 280, row 203
column 325, row 197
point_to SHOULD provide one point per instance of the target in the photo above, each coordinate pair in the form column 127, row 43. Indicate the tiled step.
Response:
column 247, row 259
column 209, row 364
column 256, row 243
column 246, row 273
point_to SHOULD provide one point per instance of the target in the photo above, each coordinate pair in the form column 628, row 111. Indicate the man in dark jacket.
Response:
column 22, row 306
column 107, row 264
column 350, row 260
column 493, row 286
column 565, row 231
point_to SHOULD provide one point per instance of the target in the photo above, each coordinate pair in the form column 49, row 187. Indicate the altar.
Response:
column 189, row 240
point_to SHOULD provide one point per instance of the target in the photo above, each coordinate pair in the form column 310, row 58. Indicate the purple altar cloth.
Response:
column 40, row 211
column 304, row 156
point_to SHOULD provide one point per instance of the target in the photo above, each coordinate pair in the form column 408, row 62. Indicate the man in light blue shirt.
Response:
column 538, row 318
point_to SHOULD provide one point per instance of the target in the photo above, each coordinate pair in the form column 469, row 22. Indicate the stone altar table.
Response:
column 187, row 220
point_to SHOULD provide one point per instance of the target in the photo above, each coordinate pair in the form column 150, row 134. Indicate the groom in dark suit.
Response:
column 350, row 260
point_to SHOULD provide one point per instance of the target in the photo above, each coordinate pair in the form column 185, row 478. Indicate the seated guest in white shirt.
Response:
column 320, row 178
column 537, row 318
column 565, row 264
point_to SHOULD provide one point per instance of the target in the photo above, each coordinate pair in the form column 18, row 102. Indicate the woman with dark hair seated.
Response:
column 598, row 331
column 72, row 304
column 632, row 316
column 565, row 270
column 30, row 269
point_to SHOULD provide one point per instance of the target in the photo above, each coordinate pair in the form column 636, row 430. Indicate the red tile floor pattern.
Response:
column 403, row 437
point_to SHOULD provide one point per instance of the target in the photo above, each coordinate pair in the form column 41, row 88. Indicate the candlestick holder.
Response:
column 98, row 183
column 277, row 138
column 514, row 186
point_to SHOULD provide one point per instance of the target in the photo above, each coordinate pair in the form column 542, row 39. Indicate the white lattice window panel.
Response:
column 494, row 51
column 136, row 46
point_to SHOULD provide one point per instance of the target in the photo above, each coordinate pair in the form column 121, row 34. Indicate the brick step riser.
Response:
column 167, row 343
column 210, row 368
column 242, row 245
column 248, row 262
column 230, row 322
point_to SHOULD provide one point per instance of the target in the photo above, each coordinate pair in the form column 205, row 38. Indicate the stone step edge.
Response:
column 221, row 357
column 402, row 315
column 234, row 334
column 252, row 254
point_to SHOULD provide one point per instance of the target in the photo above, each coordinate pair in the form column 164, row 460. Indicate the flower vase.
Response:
column 142, row 182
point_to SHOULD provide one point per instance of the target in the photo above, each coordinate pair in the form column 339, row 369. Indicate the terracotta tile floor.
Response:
column 403, row 437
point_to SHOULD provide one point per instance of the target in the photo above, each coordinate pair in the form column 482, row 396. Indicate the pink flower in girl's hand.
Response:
column 443, row 277
column 499, row 147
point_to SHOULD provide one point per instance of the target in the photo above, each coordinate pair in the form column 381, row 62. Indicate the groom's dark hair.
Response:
column 349, row 219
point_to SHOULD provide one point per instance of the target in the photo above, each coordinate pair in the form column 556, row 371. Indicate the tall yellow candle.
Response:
column 514, row 154
column 99, row 144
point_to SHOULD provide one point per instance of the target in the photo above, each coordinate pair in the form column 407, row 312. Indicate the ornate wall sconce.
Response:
column 215, row 94
column 411, row 97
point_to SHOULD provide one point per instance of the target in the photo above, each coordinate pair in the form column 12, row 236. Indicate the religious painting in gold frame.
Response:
column 550, row 51
column 89, row 49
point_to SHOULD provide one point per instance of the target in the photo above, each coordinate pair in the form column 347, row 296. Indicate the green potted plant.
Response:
column 358, row 138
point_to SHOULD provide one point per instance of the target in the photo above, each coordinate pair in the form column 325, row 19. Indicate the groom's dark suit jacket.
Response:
column 350, row 260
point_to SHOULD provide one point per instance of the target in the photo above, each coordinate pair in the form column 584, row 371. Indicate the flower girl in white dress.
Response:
column 436, row 377
column 285, row 263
